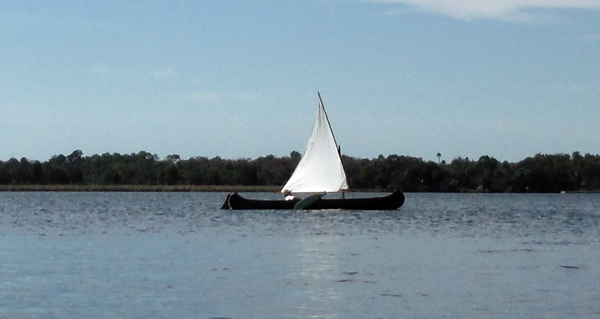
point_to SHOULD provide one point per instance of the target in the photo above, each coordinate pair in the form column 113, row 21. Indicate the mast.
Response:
column 339, row 148
column 322, row 106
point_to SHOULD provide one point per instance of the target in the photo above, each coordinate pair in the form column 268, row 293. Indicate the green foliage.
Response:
column 540, row 173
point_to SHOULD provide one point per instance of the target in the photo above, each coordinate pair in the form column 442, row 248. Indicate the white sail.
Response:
column 320, row 169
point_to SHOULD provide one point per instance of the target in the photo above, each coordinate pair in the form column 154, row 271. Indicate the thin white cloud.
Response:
column 571, row 88
column 593, row 39
column 491, row 9
column 99, row 69
column 153, row 73
column 106, row 70
column 577, row 88
column 204, row 97
column 246, row 96
column 214, row 97
column 161, row 74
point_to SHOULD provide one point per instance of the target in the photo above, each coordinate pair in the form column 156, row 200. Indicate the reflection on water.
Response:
column 316, row 266
column 159, row 255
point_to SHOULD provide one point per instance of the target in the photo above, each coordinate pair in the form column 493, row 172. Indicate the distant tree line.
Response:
column 540, row 173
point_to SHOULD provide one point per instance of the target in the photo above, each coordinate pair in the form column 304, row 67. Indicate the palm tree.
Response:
column 438, row 156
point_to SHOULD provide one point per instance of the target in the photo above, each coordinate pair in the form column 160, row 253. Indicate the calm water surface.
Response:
column 177, row 255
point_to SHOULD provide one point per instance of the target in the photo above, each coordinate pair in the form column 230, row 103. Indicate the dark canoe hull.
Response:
column 389, row 202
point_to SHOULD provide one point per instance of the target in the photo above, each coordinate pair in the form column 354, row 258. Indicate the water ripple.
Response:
column 469, row 215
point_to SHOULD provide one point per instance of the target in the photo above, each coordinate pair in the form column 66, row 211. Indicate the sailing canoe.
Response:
column 320, row 170
column 389, row 202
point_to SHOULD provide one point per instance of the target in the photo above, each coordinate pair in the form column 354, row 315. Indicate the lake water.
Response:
column 177, row 255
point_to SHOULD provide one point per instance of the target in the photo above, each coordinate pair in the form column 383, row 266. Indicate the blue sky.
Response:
column 239, row 79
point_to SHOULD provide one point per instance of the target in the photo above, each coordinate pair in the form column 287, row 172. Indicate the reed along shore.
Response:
column 137, row 188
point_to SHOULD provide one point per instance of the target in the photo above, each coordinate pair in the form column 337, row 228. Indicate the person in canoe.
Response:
column 287, row 194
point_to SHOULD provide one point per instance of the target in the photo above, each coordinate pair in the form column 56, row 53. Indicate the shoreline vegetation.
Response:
column 180, row 188
column 140, row 188
column 146, row 172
